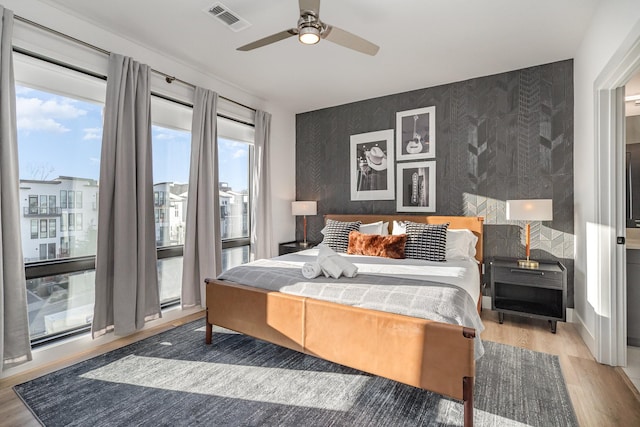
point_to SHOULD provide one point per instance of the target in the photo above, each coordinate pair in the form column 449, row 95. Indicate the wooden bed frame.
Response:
column 431, row 355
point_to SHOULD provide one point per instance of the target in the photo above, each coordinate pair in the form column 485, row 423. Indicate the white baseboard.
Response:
column 586, row 336
column 569, row 315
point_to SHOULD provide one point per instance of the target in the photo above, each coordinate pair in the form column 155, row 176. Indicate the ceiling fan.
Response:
column 311, row 29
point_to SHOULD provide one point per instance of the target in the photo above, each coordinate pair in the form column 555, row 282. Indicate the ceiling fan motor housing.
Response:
column 309, row 28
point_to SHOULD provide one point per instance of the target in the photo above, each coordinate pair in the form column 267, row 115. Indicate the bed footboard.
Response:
column 430, row 355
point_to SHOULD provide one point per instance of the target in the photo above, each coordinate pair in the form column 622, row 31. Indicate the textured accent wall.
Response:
column 500, row 137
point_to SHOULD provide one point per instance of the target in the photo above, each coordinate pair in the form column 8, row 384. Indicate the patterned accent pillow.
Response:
column 426, row 241
column 336, row 234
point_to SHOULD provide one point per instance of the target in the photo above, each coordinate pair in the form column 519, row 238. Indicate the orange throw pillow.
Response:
column 376, row 245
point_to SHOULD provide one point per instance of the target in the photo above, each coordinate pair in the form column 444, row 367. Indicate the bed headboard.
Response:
column 473, row 223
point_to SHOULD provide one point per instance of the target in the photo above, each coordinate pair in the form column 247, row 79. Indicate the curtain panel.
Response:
column 261, row 233
column 15, row 346
column 202, row 256
column 126, row 288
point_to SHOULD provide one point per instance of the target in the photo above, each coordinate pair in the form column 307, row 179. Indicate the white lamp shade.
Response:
column 530, row 210
column 304, row 208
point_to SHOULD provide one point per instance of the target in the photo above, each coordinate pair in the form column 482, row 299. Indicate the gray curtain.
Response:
column 126, row 286
column 15, row 347
column 261, row 233
column 202, row 256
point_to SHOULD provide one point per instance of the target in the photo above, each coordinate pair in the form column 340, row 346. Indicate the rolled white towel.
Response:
column 333, row 265
column 329, row 267
column 347, row 267
column 311, row 270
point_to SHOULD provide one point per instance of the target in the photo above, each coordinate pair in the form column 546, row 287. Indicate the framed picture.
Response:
column 416, row 187
column 416, row 133
column 372, row 166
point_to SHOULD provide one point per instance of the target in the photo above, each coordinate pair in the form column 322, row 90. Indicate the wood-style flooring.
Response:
column 601, row 395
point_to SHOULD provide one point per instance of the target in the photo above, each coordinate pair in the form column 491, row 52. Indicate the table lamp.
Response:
column 529, row 210
column 303, row 209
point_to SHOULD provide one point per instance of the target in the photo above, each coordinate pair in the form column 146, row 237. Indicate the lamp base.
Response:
column 527, row 263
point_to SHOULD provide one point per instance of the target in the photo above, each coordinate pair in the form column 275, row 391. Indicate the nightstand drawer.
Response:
column 526, row 277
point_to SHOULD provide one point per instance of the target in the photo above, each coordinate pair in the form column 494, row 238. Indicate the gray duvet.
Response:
column 411, row 297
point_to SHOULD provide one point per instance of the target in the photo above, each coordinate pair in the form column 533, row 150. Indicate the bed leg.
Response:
column 209, row 329
column 467, row 397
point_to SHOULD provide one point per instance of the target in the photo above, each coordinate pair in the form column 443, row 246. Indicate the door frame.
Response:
column 609, row 169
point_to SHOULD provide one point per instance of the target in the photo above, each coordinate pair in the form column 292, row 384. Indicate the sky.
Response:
column 60, row 136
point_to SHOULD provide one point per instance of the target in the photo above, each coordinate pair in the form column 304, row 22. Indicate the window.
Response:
column 59, row 126
column 34, row 228
column 44, row 227
column 171, row 159
column 235, row 150
column 59, row 115
column 52, row 228
column 33, row 205
column 234, row 188
column 43, row 204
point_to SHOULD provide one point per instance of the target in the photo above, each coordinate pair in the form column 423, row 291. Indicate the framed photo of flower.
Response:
column 371, row 159
column 416, row 134
column 416, row 187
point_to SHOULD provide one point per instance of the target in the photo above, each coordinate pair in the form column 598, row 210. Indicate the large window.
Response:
column 235, row 152
column 59, row 141
column 59, row 123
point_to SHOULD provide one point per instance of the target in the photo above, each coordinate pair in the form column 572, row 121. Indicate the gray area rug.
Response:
column 174, row 379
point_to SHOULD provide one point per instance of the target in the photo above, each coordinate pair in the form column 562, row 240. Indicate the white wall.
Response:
column 611, row 25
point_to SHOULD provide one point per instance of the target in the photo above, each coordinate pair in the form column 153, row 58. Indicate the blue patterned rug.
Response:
column 174, row 379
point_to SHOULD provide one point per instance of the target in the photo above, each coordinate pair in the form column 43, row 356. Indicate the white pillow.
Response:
column 399, row 227
column 461, row 244
column 370, row 228
column 375, row 228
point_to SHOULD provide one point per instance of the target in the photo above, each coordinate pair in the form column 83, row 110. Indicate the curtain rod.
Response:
column 168, row 78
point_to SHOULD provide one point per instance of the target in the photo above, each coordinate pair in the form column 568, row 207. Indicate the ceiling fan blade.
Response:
column 269, row 39
column 313, row 5
column 351, row 41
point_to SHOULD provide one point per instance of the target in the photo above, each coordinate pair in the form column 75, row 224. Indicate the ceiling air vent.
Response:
column 229, row 18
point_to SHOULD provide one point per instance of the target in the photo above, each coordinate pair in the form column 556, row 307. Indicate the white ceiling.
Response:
column 423, row 43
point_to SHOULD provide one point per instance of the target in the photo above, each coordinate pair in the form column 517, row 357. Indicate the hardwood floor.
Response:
column 601, row 395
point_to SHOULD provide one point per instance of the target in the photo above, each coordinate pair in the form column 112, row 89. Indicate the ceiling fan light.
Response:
column 309, row 35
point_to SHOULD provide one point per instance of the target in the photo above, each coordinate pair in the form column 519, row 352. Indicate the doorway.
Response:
column 608, row 245
column 632, row 214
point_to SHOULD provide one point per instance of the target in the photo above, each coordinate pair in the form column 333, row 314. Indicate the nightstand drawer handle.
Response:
column 534, row 272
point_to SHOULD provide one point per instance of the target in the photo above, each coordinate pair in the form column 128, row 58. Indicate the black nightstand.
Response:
column 291, row 247
column 540, row 292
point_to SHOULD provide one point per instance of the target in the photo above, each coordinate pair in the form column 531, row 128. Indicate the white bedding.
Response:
column 461, row 273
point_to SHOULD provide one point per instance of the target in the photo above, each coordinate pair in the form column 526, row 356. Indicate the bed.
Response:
column 432, row 355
